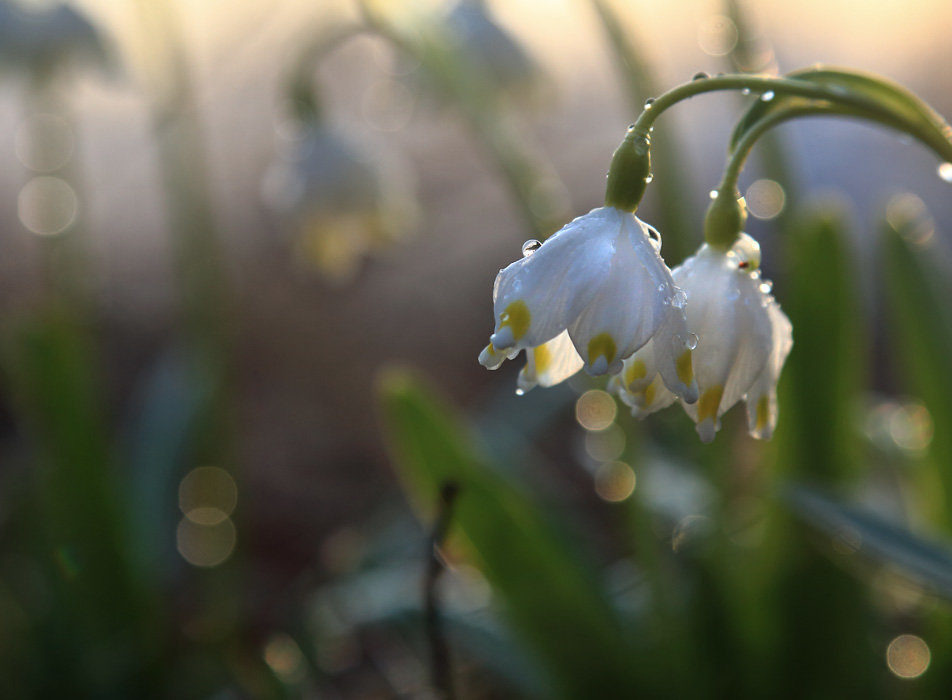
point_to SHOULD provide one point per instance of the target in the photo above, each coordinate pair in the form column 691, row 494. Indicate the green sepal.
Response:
column 630, row 172
column 725, row 219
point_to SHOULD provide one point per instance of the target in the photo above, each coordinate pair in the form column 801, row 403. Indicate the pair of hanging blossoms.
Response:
column 597, row 294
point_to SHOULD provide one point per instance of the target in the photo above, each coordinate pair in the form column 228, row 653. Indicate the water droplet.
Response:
column 504, row 316
column 661, row 287
column 520, row 392
column 631, row 127
column 767, row 96
column 765, row 199
column 745, row 91
column 691, row 341
column 766, row 287
column 649, row 178
column 649, row 102
column 47, row 205
column 945, row 172
column 530, row 246
column 713, row 194
column 655, row 237
column 680, row 299
column 700, row 76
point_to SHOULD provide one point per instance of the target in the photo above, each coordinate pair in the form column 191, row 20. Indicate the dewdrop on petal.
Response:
column 598, row 288
column 340, row 199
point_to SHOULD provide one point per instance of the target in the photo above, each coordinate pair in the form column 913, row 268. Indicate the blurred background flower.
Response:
column 38, row 36
column 341, row 201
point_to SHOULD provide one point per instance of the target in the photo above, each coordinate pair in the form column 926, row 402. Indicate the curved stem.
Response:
column 523, row 169
column 738, row 157
column 306, row 97
column 754, row 83
column 741, row 150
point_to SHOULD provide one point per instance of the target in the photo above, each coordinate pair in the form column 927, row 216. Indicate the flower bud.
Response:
column 725, row 220
column 630, row 172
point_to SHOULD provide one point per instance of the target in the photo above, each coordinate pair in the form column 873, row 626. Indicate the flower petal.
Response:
column 537, row 297
column 635, row 298
column 727, row 311
column 492, row 358
column 674, row 357
column 653, row 397
column 762, row 397
column 549, row 363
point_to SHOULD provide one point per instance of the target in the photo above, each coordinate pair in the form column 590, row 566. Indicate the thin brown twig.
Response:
column 441, row 665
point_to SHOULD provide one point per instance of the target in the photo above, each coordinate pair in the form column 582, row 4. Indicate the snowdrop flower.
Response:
column 591, row 295
column 38, row 39
column 488, row 45
column 744, row 339
column 341, row 199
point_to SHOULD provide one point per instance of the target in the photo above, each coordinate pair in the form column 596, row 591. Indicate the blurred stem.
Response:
column 199, row 266
column 669, row 623
column 753, row 54
column 670, row 179
column 523, row 171
column 442, row 667
column 305, row 95
column 51, row 360
column 195, row 239
column 64, row 259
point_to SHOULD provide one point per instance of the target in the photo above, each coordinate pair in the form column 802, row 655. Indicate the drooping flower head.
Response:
column 38, row 39
column 591, row 295
column 743, row 340
column 489, row 46
column 341, row 199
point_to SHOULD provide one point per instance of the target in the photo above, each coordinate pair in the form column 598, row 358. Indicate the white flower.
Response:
column 591, row 295
column 341, row 199
column 490, row 46
column 37, row 38
column 743, row 340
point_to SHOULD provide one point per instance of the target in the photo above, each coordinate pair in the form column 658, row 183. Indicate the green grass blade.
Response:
column 917, row 297
column 926, row 562
column 825, row 371
column 550, row 596
column 98, row 597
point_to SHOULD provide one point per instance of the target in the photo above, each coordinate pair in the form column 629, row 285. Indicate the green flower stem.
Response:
column 727, row 215
column 676, row 219
column 738, row 157
column 755, row 84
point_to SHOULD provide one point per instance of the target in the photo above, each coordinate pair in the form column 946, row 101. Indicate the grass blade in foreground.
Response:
column 921, row 334
column 928, row 563
column 97, row 598
column 816, row 442
column 549, row 597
